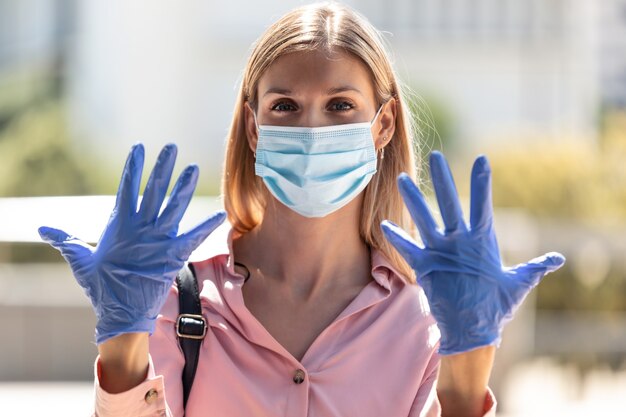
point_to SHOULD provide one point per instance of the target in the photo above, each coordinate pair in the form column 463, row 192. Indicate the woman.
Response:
column 311, row 310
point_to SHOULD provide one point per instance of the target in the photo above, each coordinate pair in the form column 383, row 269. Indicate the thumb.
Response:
column 53, row 236
column 70, row 247
column 532, row 271
column 198, row 234
column 403, row 243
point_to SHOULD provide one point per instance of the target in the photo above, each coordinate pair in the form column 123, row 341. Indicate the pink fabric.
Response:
column 378, row 358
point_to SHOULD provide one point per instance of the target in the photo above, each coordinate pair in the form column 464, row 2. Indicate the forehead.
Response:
column 317, row 71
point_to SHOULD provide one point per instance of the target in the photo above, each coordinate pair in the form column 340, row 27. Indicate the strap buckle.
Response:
column 191, row 326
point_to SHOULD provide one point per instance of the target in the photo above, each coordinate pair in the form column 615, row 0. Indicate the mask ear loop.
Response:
column 382, row 150
column 376, row 115
column 256, row 124
column 258, row 130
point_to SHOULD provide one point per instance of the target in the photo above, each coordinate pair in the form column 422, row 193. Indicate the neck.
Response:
column 310, row 256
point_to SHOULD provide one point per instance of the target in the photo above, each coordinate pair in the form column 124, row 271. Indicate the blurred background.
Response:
column 539, row 86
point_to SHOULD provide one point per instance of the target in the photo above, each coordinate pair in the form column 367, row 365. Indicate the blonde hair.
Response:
column 323, row 26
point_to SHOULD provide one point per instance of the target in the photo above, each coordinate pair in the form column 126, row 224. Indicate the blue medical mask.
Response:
column 316, row 170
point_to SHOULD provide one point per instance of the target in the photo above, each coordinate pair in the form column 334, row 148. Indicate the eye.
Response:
column 341, row 105
column 283, row 106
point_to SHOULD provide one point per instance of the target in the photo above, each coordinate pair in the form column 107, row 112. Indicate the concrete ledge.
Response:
column 47, row 324
column 47, row 343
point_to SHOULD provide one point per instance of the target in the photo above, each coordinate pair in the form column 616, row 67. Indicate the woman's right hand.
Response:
column 128, row 274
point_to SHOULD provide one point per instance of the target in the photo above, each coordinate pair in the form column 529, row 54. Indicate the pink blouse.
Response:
column 377, row 358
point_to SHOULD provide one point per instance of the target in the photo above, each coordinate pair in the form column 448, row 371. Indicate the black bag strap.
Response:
column 191, row 326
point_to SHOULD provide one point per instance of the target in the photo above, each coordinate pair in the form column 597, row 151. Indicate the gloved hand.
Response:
column 471, row 295
column 127, row 276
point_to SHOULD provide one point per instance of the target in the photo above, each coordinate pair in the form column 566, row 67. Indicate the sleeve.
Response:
column 161, row 394
column 426, row 403
column 146, row 399
column 490, row 404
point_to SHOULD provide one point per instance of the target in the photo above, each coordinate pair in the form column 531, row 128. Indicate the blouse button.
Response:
column 298, row 377
column 151, row 396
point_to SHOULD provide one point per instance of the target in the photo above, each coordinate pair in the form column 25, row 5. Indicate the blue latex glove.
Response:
column 127, row 276
column 471, row 295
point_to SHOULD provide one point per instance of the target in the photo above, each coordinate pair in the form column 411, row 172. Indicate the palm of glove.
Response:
column 471, row 295
column 128, row 274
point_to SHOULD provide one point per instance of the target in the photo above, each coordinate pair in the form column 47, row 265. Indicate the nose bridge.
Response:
column 313, row 119
column 313, row 115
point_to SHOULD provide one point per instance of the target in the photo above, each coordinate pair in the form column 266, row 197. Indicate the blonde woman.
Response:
column 312, row 307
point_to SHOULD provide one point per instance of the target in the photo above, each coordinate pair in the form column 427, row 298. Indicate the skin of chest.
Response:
column 295, row 323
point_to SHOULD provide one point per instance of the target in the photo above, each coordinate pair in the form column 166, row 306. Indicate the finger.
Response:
column 159, row 180
column 403, row 243
column 70, row 247
column 179, row 200
column 52, row 236
column 481, row 207
column 193, row 238
column 445, row 190
column 418, row 208
column 128, row 191
column 531, row 272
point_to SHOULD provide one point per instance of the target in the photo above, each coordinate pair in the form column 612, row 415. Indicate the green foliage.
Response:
column 433, row 122
column 434, row 125
column 560, row 179
column 562, row 291
column 36, row 157
column 20, row 88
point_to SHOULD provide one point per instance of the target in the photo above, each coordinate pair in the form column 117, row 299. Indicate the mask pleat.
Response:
column 316, row 171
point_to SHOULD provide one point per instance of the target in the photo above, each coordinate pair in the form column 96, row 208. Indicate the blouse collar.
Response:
column 220, row 243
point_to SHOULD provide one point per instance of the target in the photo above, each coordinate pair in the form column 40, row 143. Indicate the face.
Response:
column 317, row 88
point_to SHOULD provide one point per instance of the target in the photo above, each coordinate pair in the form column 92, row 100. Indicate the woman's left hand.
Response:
column 471, row 295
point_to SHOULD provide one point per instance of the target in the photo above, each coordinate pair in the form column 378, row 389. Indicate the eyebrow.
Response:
column 329, row 92
column 277, row 90
column 342, row 89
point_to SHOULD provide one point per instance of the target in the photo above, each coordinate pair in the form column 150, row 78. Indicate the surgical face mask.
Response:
column 316, row 170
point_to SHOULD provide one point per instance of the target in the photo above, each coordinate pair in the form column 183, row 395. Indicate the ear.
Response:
column 250, row 126
column 385, row 126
